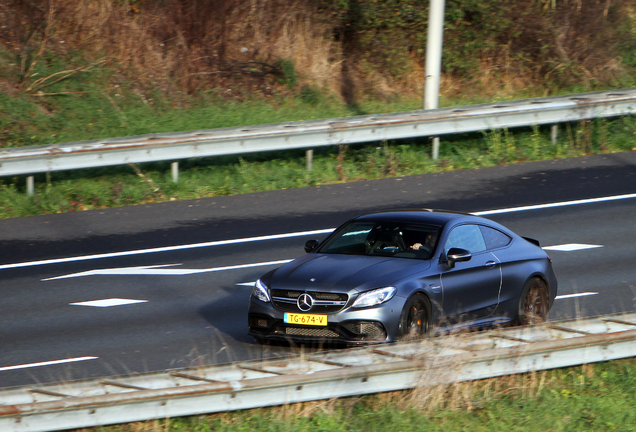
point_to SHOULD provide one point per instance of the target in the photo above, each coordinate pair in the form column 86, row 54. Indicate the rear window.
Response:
column 495, row 239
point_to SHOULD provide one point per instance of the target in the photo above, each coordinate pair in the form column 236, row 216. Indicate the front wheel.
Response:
column 415, row 317
column 533, row 304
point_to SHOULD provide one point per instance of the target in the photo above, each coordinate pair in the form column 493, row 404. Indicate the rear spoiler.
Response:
column 533, row 241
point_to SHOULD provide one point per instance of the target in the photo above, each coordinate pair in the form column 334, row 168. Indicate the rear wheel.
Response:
column 533, row 305
column 415, row 317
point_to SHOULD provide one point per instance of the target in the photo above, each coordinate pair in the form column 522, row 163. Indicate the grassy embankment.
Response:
column 72, row 70
column 599, row 397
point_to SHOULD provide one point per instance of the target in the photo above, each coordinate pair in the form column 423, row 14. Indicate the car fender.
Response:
column 430, row 287
column 514, row 279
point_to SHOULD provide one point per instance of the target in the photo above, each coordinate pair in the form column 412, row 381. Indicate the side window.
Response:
column 466, row 237
column 494, row 239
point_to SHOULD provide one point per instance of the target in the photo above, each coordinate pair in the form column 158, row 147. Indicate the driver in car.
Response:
column 428, row 245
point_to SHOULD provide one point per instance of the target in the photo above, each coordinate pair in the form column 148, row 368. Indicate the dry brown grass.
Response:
column 184, row 46
column 188, row 45
column 571, row 40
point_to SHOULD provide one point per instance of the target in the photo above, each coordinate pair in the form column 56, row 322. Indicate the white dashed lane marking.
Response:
column 571, row 247
column 567, row 296
column 108, row 302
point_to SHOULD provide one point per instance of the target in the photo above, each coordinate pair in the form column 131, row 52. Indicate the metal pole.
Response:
column 434, row 60
column 554, row 132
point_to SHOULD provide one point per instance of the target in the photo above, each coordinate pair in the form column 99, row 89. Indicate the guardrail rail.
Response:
column 322, row 375
column 311, row 134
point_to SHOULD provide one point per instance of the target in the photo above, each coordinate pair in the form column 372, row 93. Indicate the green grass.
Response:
column 599, row 397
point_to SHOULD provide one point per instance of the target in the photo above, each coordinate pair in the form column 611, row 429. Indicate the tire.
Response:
column 415, row 318
column 533, row 304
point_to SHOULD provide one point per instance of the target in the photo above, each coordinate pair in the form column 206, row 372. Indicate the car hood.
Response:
column 344, row 273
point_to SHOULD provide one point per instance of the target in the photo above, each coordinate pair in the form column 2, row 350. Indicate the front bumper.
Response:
column 348, row 326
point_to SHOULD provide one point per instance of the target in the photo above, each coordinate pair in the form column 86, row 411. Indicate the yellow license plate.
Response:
column 305, row 319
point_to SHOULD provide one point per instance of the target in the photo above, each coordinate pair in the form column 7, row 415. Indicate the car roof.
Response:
column 437, row 217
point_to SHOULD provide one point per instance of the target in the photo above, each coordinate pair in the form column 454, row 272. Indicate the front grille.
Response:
column 324, row 302
column 316, row 295
column 330, row 296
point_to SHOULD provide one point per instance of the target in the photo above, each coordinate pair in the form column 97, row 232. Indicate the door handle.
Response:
column 490, row 264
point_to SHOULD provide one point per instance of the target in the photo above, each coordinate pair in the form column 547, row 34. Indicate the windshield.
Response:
column 401, row 240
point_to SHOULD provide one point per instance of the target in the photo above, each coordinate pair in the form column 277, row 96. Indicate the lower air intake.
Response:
column 367, row 330
column 315, row 332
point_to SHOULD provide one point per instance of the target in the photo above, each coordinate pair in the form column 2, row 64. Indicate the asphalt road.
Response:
column 173, row 279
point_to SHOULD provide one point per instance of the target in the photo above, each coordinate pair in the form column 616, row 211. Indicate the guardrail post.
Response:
column 435, row 148
column 554, row 132
column 30, row 184
column 309, row 155
column 175, row 171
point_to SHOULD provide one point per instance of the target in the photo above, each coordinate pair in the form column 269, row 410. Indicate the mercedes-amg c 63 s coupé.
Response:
column 389, row 275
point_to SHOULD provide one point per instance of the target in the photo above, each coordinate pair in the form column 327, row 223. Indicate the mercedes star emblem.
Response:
column 305, row 302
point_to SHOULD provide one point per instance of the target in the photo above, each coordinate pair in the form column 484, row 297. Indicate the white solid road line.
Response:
column 288, row 235
column 553, row 205
column 46, row 363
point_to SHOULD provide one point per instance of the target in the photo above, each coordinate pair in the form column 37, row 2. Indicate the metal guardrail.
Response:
column 316, row 133
column 323, row 375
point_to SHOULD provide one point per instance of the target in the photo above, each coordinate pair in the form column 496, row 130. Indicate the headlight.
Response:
column 261, row 292
column 375, row 297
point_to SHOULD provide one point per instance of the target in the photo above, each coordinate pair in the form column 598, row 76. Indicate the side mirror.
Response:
column 456, row 255
column 311, row 245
